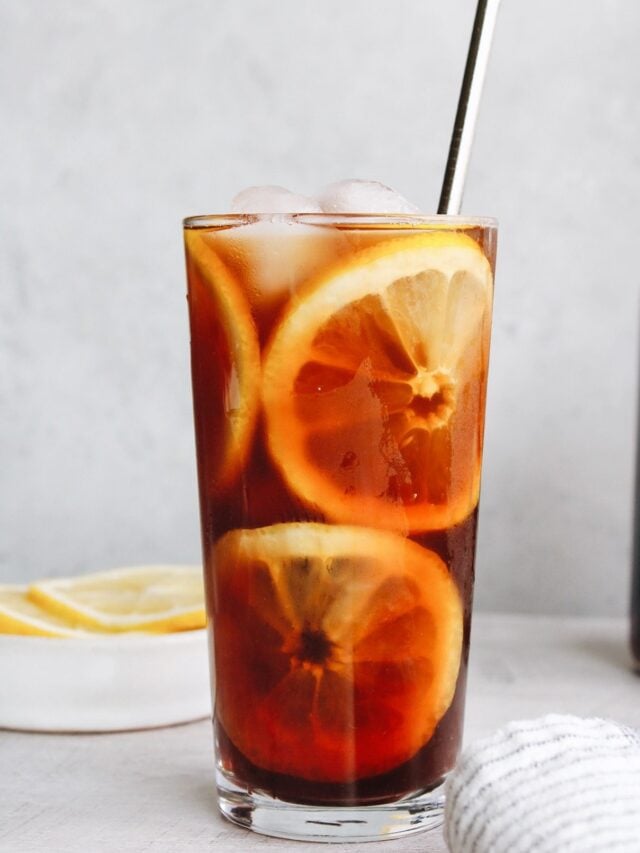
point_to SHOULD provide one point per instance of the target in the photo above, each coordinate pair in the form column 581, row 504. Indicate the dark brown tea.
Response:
column 339, row 375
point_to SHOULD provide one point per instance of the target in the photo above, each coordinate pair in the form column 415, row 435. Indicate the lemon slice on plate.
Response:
column 374, row 384
column 20, row 615
column 142, row 598
column 87, row 653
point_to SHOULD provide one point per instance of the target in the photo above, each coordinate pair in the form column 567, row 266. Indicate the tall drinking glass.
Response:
column 339, row 371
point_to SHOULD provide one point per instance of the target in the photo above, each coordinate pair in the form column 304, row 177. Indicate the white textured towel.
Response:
column 558, row 784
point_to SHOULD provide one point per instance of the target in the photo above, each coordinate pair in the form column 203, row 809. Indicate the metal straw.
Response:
column 465, row 122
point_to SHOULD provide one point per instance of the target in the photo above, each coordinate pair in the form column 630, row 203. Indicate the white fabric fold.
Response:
column 557, row 784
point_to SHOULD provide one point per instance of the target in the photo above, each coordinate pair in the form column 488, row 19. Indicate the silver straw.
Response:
column 465, row 122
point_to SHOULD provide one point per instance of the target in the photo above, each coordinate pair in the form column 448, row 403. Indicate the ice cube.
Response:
column 272, row 199
column 356, row 196
column 276, row 256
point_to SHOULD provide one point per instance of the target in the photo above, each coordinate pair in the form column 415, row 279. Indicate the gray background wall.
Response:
column 118, row 118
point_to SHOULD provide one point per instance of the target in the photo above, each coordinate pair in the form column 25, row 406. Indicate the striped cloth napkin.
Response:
column 557, row 784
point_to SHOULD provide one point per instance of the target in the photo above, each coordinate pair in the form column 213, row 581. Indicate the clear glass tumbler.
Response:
column 339, row 371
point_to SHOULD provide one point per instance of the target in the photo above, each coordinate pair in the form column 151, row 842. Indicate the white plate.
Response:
column 103, row 683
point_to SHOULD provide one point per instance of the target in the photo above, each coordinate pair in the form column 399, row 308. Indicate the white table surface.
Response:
column 152, row 792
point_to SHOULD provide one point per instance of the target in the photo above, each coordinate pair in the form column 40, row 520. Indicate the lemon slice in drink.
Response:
column 344, row 642
column 220, row 316
column 374, row 384
column 142, row 598
column 20, row 615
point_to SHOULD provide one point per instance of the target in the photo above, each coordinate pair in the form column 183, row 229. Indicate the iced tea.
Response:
column 339, row 371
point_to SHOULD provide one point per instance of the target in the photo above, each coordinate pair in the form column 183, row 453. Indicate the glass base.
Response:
column 418, row 812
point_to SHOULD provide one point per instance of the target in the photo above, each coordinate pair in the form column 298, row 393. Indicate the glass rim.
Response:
column 227, row 220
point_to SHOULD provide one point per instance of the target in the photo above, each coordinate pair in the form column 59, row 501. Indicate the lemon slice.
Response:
column 19, row 615
column 344, row 642
column 142, row 598
column 225, row 363
column 374, row 384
